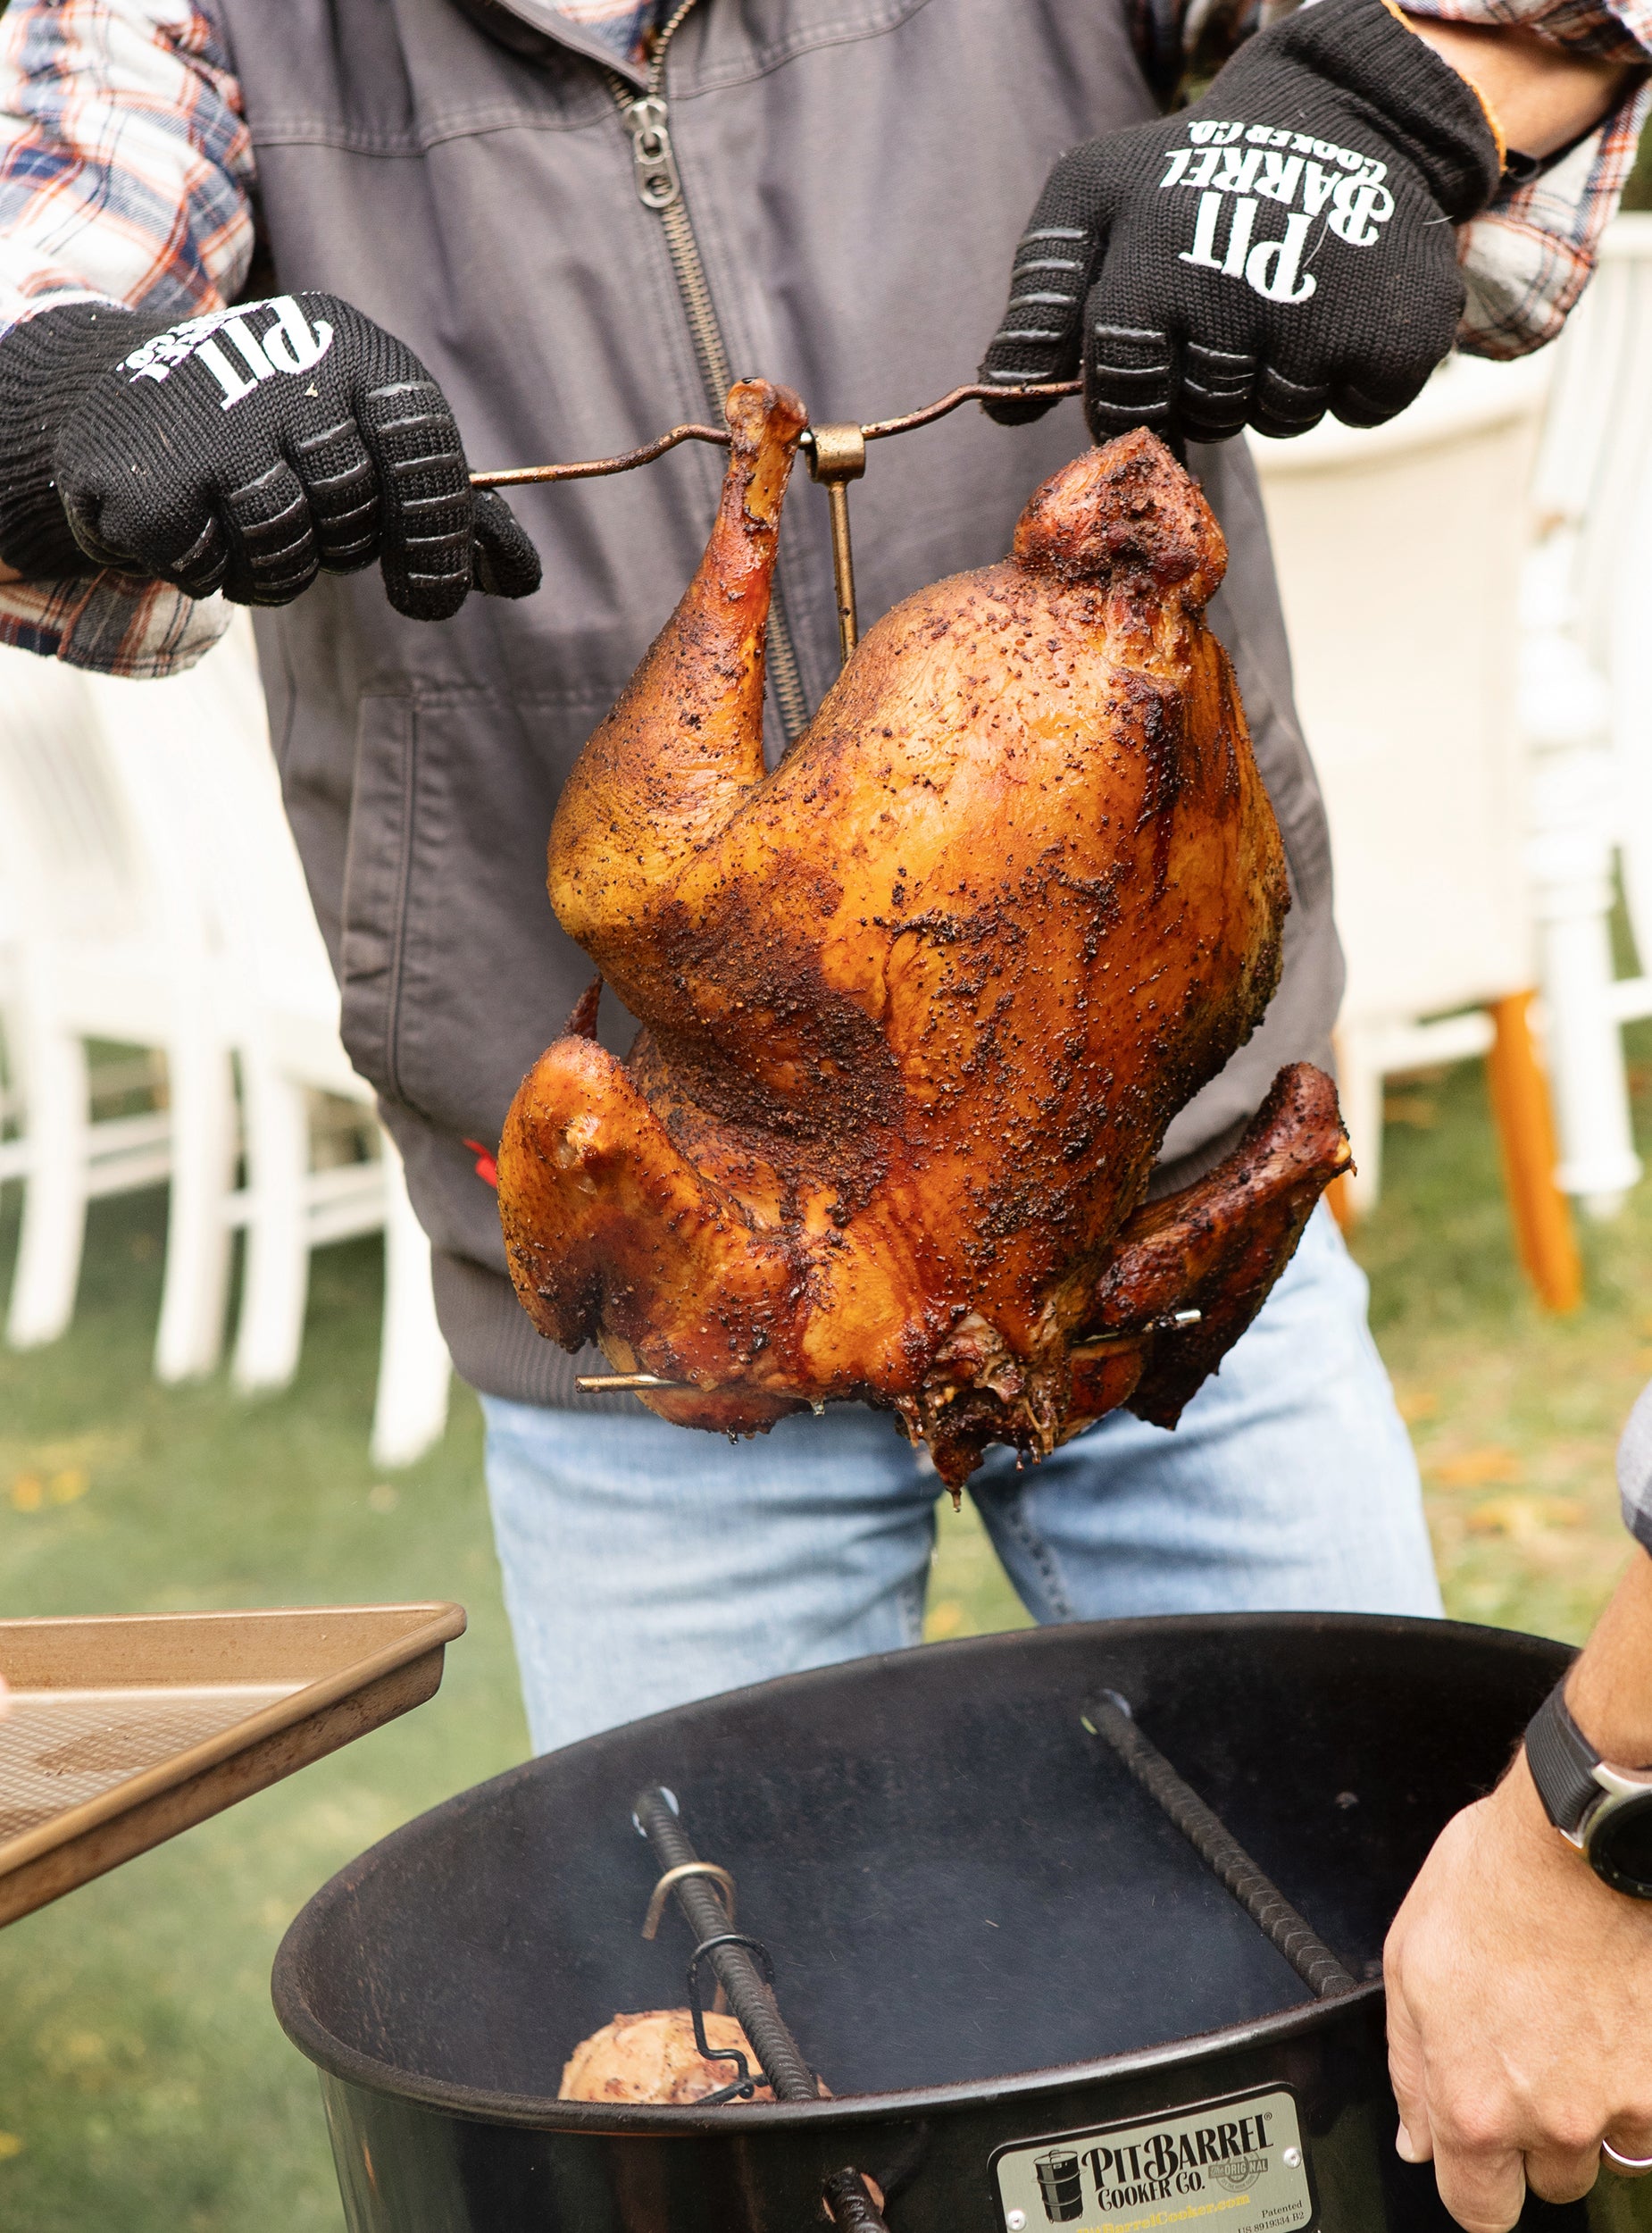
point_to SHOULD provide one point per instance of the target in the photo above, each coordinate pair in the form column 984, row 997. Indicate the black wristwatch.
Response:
column 1605, row 1812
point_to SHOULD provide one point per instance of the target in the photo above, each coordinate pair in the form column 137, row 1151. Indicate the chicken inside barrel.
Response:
column 918, row 1006
column 654, row 2056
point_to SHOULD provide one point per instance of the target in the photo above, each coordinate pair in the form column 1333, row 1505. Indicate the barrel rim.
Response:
column 659, row 2120
column 538, row 2112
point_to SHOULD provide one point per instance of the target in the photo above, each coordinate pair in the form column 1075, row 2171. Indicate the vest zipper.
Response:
column 646, row 117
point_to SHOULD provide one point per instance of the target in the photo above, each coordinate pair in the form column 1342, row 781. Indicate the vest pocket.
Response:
column 455, row 973
column 377, row 860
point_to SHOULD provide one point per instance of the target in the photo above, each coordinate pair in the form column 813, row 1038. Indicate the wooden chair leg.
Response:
column 1338, row 1201
column 1525, row 1121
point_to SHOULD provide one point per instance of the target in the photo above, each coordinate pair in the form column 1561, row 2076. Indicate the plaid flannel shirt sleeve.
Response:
column 1529, row 257
column 126, row 175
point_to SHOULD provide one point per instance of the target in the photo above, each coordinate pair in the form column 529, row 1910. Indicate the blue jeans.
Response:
column 645, row 1565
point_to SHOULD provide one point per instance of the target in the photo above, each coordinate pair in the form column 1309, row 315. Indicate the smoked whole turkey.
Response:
column 918, row 1006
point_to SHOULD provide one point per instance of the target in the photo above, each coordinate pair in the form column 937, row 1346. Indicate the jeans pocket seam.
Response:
column 1038, row 1552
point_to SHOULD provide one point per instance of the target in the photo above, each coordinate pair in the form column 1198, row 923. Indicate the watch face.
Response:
column 1620, row 1846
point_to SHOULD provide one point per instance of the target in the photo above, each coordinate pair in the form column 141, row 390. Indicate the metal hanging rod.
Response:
column 837, row 455
column 595, row 468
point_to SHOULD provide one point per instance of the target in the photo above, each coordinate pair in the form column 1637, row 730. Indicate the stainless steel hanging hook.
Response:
column 837, row 455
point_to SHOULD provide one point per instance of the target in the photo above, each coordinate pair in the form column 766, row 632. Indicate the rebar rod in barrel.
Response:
column 1109, row 1717
column 750, row 2000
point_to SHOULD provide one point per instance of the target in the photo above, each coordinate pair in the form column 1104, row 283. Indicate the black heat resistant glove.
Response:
column 1282, row 248
column 246, row 450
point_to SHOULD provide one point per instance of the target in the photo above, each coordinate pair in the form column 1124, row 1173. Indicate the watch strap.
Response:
column 1562, row 1762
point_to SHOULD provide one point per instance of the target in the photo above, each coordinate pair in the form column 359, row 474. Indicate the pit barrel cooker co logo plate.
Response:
column 1236, row 2164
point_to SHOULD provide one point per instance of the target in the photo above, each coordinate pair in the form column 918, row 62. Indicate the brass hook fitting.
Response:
column 724, row 1883
column 720, row 1878
column 836, row 453
column 836, row 456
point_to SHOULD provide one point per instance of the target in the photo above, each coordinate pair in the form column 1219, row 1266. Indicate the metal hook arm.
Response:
column 674, row 1876
column 1019, row 391
column 837, row 455
column 595, row 468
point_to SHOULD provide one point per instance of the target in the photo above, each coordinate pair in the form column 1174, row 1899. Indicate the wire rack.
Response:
column 121, row 1732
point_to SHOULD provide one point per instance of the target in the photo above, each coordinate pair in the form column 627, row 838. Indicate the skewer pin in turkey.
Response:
column 631, row 1383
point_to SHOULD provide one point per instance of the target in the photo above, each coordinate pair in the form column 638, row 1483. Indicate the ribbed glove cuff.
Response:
column 1413, row 98
column 46, row 365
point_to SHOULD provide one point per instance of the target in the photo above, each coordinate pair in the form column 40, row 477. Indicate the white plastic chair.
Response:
column 1400, row 554
column 1586, row 705
column 109, row 943
column 153, row 897
column 202, row 741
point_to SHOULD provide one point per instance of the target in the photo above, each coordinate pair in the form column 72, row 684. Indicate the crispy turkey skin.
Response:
column 920, row 1005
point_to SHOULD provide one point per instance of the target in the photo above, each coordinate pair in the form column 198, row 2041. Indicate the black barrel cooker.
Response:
column 1036, row 1999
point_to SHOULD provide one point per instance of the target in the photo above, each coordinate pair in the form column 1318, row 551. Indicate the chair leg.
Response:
column 1525, row 1121
column 57, row 1106
column 1571, row 858
column 1359, row 1090
column 201, row 1087
column 275, row 1279
column 410, row 1410
column 1591, row 1083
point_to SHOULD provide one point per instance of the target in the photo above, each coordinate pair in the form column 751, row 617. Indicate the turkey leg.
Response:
column 1218, row 1246
column 684, row 745
column 608, row 1228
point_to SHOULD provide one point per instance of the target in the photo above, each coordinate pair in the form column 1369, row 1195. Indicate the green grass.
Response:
column 1516, row 1414
column 142, row 2081
column 143, row 2085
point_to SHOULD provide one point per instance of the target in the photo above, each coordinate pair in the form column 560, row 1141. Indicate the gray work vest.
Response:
column 857, row 173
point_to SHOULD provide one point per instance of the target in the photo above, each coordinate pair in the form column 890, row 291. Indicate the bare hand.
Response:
column 1543, row 97
column 1520, row 2013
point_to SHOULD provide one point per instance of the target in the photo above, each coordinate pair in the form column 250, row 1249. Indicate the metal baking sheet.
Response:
column 124, row 1731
